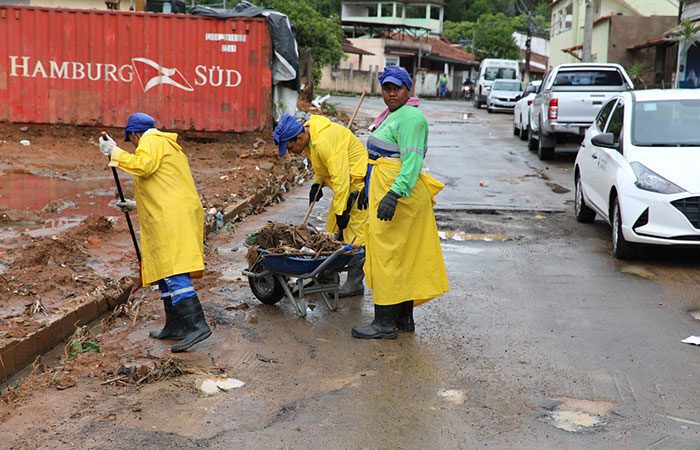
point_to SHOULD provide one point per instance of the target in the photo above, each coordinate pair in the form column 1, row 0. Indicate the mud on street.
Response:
column 544, row 341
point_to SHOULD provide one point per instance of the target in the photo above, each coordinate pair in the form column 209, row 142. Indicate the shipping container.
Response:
column 88, row 67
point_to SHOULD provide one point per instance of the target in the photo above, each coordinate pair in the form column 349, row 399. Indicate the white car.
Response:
column 637, row 169
column 503, row 95
column 521, row 112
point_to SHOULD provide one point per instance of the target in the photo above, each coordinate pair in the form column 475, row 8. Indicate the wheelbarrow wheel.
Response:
column 266, row 289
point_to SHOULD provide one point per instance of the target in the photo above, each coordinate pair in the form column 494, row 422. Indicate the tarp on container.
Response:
column 89, row 67
column 284, row 44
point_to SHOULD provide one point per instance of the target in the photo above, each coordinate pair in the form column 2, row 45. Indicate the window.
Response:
column 666, row 123
column 604, row 113
column 616, row 121
column 569, row 17
column 589, row 78
column 513, row 86
column 391, row 61
column 415, row 11
column 372, row 10
column 435, row 12
column 387, row 9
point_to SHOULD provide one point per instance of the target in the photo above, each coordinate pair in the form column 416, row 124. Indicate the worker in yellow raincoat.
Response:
column 404, row 265
column 171, row 218
column 340, row 162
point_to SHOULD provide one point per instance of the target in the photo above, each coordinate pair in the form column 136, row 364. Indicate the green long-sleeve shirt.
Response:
column 404, row 135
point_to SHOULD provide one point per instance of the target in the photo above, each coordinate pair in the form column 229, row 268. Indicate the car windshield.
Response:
column 494, row 73
column 589, row 78
column 666, row 123
column 507, row 86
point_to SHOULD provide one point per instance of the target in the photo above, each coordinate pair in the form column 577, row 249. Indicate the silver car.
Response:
column 503, row 95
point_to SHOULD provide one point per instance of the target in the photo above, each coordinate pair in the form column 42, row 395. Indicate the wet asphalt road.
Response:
column 544, row 340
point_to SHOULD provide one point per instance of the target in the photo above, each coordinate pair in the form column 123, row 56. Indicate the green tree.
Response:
column 321, row 35
column 494, row 37
column 456, row 31
column 327, row 8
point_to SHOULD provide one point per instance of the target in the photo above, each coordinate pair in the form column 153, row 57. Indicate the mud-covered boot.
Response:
column 404, row 319
column 191, row 314
column 173, row 329
column 382, row 327
column 354, row 283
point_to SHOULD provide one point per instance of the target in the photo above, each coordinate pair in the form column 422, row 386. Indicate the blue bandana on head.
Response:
column 396, row 75
column 287, row 129
column 138, row 123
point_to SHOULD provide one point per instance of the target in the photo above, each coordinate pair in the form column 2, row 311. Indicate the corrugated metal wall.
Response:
column 96, row 68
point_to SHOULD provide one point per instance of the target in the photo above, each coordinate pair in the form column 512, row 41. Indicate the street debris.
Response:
column 25, row 143
column 82, row 341
column 454, row 396
column 212, row 386
column 162, row 369
column 693, row 340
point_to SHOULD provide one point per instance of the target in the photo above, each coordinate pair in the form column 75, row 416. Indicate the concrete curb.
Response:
column 18, row 354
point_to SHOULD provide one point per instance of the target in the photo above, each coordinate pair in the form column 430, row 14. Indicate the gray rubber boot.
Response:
column 354, row 284
column 382, row 327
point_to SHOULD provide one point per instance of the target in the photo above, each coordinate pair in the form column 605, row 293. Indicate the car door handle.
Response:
column 594, row 156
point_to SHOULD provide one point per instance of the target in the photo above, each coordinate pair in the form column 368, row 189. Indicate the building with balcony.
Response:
column 420, row 14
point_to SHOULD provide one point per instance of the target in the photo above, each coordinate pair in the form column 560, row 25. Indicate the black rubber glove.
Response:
column 315, row 193
column 363, row 199
column 387, row 207
column 342, row 220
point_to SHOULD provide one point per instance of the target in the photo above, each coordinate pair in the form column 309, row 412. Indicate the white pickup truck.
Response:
column 568, row 101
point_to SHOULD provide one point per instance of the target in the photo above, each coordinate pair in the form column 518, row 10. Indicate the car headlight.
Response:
column 649, row 180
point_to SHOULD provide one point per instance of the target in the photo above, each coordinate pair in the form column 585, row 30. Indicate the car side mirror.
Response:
column 605, row 140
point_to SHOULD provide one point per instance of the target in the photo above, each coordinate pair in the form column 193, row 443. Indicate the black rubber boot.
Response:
column 173, row 329
column 404, row 320
column 382, row 327
column 191, row 314
column 353, row 284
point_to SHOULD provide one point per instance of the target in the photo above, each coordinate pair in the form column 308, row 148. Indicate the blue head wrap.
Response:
column 287, row 129
column 396, row 75
column 138, row 123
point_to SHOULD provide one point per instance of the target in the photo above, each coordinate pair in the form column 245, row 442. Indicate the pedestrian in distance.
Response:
column 172, row 225
column 339, row 161
column 404, row 265
column 442, row 85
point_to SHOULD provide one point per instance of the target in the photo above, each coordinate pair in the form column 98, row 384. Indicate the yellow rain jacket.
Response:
column 404, row 258
column 170, row 211
column 340, row 161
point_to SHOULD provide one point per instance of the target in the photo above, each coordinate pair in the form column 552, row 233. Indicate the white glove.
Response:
column 127, row 205
column 107, row 144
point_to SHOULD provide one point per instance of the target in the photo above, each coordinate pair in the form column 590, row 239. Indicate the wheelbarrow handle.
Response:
column 330, row 259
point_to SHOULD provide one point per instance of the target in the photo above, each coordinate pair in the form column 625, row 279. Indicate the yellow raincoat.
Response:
column 170, row 210
column 404, row 258
column 340, row 161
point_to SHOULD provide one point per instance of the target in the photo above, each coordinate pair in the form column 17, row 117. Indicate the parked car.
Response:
column 503, row 95
column 569, row 99
column 490, row 70
column 637, row 169
column 521, row 112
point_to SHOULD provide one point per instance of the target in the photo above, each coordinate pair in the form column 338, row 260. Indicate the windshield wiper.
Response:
column 670, row 144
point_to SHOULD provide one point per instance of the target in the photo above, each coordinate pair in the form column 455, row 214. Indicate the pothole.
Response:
column 576, row 415
column 639, row 271
column 455, row 235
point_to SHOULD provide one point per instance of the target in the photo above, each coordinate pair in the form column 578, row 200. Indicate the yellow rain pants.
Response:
column 170, row 211
column 404, row 259
column 340, row 161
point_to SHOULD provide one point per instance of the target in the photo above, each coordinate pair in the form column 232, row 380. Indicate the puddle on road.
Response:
column 639, row 271
column 461, row 236
column 576, row 415
column 557, row 188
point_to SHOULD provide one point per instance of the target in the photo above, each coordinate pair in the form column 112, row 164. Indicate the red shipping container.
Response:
column 88, row 67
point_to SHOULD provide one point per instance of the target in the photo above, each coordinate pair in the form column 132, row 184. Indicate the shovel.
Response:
column 137, row 285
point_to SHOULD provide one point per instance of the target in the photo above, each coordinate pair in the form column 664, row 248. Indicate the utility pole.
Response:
column 588, row 31
column 528, row 48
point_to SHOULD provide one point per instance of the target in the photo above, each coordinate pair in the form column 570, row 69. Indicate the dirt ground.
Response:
column 61, row 239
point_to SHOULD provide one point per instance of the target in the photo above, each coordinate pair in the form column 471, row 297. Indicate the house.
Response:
column 421, row 14
column 688, row 51
column 405, row 33
column 617, row 25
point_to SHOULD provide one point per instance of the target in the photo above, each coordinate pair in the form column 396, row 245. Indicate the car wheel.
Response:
column 524, row 130
column 488, row 108
column 531, row 140
column 543, row 151
column 516, row 131
column 583, row 213
column 621, row 248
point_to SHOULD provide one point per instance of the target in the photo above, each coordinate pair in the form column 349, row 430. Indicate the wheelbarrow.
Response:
column 275, row 275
